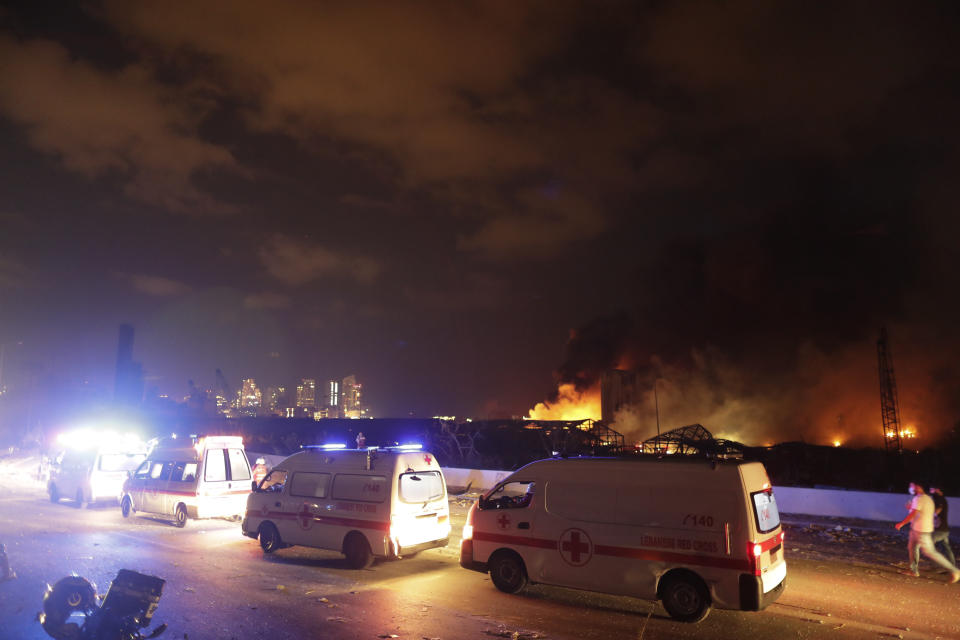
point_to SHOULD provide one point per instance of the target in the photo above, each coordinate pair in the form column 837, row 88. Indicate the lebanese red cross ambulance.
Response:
column 210, row 479
column 365, row 503
column 692, row 533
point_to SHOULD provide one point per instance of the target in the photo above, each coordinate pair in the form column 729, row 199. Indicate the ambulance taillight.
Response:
column 754, row 551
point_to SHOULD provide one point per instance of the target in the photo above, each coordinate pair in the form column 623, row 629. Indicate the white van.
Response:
column 692, row 533
column 94, row 475
column 210, row 479
column 365, row 503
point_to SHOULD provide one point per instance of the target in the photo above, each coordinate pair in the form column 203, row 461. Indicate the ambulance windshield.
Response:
column 765, row 510
column 421, row 486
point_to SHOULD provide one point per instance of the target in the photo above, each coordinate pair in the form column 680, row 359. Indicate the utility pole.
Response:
column 656, row 401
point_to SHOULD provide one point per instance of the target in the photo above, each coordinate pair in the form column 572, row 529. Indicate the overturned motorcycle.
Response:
column 70, row 610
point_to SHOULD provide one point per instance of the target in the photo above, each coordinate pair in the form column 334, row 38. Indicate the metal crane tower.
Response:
column 889, row 404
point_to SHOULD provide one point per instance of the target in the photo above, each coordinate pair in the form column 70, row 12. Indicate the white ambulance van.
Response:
column 692, row 533
column 366, row 503
column 210, row 479
column 95, row 470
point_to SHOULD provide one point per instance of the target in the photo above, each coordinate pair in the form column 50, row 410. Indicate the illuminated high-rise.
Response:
column 307, row 393
column 333, row 394
column 351, row 392
column 250, row 396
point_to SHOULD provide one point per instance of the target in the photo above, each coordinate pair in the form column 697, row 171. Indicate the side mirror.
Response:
column 253, row 485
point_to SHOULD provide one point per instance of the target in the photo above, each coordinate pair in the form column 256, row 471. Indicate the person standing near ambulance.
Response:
column 259, row 471
column 941, row 531
column 920, row 518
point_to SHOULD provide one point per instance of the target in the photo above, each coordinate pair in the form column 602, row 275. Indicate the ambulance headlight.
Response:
column 757, row 550
column 467, row 532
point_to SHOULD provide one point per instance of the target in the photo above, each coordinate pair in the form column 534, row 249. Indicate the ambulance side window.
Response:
column 184, row 472
column 215, row 469
column 274, row 481
column 161, row 470
column 143, row 471
column 348, row 486
column 306, row 484
column 510, row 495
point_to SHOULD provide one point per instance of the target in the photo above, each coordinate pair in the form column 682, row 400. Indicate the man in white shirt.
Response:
column 920, row 518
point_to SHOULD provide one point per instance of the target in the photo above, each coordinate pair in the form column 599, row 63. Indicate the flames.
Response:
column 570, row 405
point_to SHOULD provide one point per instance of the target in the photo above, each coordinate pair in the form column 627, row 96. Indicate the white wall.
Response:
column 867, row 505
column 850, row 504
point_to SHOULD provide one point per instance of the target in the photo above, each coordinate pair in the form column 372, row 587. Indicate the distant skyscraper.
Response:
column 128, row 385
column 350, row 398
column 307, row 393
column 250, row 396
column 271, row 399
column 333, row 394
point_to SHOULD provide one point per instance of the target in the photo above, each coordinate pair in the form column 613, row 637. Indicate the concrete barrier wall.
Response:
column 867, row 505
column 476, row 478
column 850, row 504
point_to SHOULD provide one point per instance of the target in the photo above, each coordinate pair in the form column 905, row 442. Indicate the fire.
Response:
column 570, row 405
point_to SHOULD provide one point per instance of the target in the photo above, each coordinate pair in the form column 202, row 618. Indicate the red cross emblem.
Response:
column 576, row 549
column 427, row 459
column 305, row 517
column 503, row 521
column 265, row 510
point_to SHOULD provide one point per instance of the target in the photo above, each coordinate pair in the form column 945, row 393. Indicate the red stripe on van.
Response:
column 621, row 552
column 673, row 558
column 150, row 492
column 540, row 543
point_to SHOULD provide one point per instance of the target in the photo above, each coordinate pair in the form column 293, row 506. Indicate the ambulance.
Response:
column 94, row 466
column 365, row 503
column 692, row 533
column 210, row 479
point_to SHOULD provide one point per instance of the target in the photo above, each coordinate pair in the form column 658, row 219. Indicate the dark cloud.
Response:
column 110, row 123
column 155, row 285
column 295, row 262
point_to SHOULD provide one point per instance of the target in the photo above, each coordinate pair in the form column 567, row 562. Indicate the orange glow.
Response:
column 570, row 405
column 837, row 443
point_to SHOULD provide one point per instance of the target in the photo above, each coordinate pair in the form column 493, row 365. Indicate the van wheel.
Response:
column 357, row 550
column 54, row 494
column 685, row 598
column 507, row 572
column 269, row 538
column 126, row 507
column 180, row 516
column 79, row 499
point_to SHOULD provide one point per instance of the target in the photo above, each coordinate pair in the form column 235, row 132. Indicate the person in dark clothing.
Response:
column 941, row 529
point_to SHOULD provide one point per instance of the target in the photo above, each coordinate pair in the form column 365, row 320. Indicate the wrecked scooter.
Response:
column 70, row 610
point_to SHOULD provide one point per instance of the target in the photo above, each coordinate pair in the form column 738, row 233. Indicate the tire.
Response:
column 357, row 550
column 126, row 507
column 180, row 516
column 78, row 499
column 507, row 572
column 685, row 598
column 54, row 494
column 269, row 538
column 68, row 597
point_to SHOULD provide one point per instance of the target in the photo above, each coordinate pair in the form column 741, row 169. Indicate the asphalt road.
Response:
column 220, row 585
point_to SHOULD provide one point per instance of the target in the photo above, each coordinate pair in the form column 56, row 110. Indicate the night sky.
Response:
column 464, row 204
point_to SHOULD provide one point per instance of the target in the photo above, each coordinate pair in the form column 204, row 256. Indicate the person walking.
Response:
column 941, row 528
column 920, row 518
